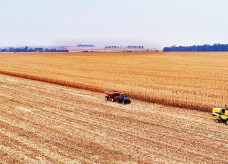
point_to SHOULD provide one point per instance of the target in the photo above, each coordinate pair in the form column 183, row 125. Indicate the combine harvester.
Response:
column 117, row 96
column 221, row 114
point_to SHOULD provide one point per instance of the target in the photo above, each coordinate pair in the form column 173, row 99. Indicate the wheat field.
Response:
column 187, row 80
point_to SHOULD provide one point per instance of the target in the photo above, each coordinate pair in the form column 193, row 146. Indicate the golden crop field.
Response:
column 189, row 80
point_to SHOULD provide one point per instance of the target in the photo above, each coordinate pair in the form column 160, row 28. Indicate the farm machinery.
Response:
column 117, row 96
column 221, row 114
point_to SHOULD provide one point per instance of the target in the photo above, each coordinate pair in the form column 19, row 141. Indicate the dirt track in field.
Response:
column 42, row 122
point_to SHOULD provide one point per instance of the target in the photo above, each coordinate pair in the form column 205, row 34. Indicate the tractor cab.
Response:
column 123, row 99
column 221, row 114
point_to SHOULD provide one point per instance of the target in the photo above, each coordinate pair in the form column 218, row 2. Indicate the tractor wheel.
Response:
column 217, row 120
column 113, row 100
column 123, row 102
column 106, row 98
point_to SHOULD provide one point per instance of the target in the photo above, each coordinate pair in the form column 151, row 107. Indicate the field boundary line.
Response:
column 54, row 81
column 156, row 100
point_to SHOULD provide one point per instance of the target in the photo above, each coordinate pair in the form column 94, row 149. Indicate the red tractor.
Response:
column 117, row 96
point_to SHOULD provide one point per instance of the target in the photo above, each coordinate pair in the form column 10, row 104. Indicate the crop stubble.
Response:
column 43, row 122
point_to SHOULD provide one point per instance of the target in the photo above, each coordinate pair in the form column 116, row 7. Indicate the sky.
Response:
column 151, row 23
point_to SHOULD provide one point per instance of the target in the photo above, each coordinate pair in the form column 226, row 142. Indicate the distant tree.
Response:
column 26, row 49
column 201, row 48
column 4, row 50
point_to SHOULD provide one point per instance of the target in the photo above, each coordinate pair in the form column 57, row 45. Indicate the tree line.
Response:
column 202, row 48
column 27, row 49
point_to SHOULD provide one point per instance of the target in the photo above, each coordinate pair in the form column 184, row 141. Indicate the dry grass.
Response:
column 190, row 80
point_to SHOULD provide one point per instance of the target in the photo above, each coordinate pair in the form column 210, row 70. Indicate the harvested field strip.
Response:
column 62, row 140
column 39, row 148
column 78, row 125
column 91, row 126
